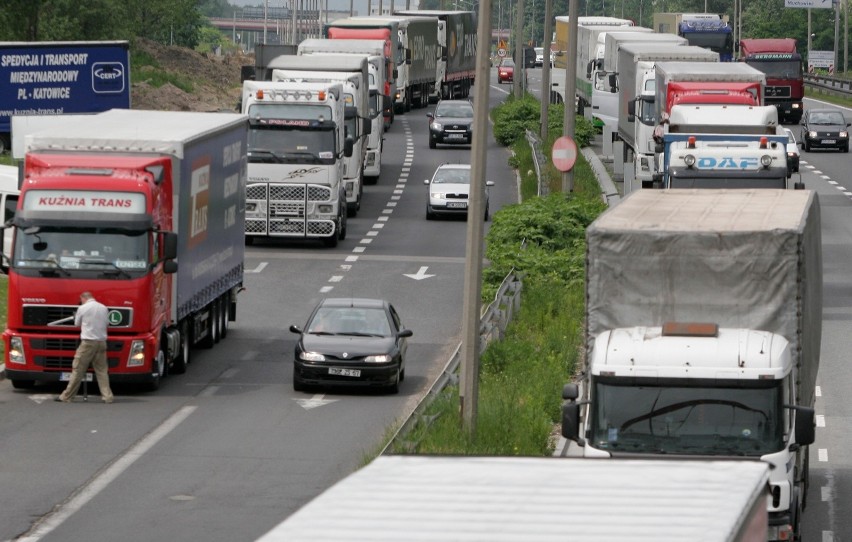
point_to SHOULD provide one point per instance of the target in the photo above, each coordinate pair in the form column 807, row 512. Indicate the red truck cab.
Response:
column 782, row 64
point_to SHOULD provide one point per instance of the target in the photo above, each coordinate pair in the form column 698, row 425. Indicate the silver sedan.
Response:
column 449, row 191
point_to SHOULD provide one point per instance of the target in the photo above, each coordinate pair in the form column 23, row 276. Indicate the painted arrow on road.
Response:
column 420, row 275
column 315, row 401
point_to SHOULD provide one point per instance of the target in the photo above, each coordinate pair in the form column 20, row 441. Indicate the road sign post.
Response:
column 564, row 154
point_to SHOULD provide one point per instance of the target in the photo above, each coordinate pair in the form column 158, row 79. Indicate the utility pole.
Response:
column 518, row 75
column 836, row 36
column 568, row 120
column 469, row 382
column 545, row 68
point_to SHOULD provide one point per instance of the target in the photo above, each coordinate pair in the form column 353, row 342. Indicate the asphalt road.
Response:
column 228, row 450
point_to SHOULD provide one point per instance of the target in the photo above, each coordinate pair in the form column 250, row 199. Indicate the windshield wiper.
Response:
column 685, row 404
column 360, row 334
column 264, row 155
column 301, row 155
column 111, row 264
column 50, row 266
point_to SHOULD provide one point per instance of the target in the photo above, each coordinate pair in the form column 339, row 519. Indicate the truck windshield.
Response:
column 722, row 43
column 54, row 251
column 701, row 418
column 273, row 143
column 778, row 69
column 646, row 110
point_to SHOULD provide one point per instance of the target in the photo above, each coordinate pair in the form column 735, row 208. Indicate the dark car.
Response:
column 451, row 123
column 505, row 71
column 825, row 129
column 351, row 342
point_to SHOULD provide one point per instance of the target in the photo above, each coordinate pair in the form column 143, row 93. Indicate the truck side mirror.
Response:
column 367, row 126
column 408, row 56
column 348, row 145
column 805, row 432
column 571, row 413
column 395, row 74
column 571, row 421
column 613, row 82
column 170, row 243
column 170, row 267
column 589, row 69
column 631, row 111
column 443, row 54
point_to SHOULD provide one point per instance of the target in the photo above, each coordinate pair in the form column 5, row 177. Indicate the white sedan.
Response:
column 449, row 190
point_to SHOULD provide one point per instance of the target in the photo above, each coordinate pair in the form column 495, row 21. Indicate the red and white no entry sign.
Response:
column 564, row 153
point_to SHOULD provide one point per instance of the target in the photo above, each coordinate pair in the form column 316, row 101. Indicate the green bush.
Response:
column 514, row 116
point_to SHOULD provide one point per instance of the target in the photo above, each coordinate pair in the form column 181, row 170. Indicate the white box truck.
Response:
column 379, row 89
column 703, row 328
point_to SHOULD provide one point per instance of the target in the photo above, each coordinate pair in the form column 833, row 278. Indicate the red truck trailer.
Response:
column 779, row 59
column 145, row 209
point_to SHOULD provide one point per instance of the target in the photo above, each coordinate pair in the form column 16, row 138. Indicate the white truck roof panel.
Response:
column 342, row 46
column 433, row 498
column 667, row 52
column 710, row 71
column 132, row 130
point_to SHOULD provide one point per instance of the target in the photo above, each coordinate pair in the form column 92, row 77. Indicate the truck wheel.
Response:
column 216, row 313
column 160, row 362
column 341, row 228
column 432, row 143
column 22, row 384
column 224, row 305
column 330, row 242
column 209, row 337
column 179, row 365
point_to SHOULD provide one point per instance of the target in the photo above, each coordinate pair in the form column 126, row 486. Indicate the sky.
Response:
column 361, row 6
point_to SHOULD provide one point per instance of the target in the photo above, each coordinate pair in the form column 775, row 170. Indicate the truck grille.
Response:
column 777, row 92
column 289, row 205
column 63, row 316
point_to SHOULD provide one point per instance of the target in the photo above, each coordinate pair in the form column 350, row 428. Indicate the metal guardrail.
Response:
column 492, row 327
column 831, row 85
column 538, row 159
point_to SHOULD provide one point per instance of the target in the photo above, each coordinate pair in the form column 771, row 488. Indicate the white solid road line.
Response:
column 86, row 493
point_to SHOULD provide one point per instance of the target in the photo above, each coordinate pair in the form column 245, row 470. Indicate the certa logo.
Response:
column 725, row 162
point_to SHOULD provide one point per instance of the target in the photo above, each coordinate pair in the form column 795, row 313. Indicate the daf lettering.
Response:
column 710, row 162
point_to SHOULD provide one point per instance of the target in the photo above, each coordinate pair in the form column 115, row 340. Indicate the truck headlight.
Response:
column 766, row 160
column 16, row 351
column 325, row 208
column 137, row 354
column 689, row 160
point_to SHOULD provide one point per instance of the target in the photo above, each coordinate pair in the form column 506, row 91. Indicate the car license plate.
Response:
column 344, row 372
column 455, row 136
column 65, row 377
column 829, row 141
column 457, row 205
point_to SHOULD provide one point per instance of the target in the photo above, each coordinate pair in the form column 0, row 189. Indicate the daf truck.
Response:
column 703, row 327
column 636, row 110
column 147, row 210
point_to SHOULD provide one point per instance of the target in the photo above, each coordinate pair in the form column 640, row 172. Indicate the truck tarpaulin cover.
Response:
column 739, row 258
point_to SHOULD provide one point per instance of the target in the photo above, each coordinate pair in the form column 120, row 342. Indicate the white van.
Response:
column 8, row 202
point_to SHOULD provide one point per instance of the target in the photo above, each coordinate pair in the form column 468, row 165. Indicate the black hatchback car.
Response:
column 825, row 129
column 451, row 123
column 351, row 342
